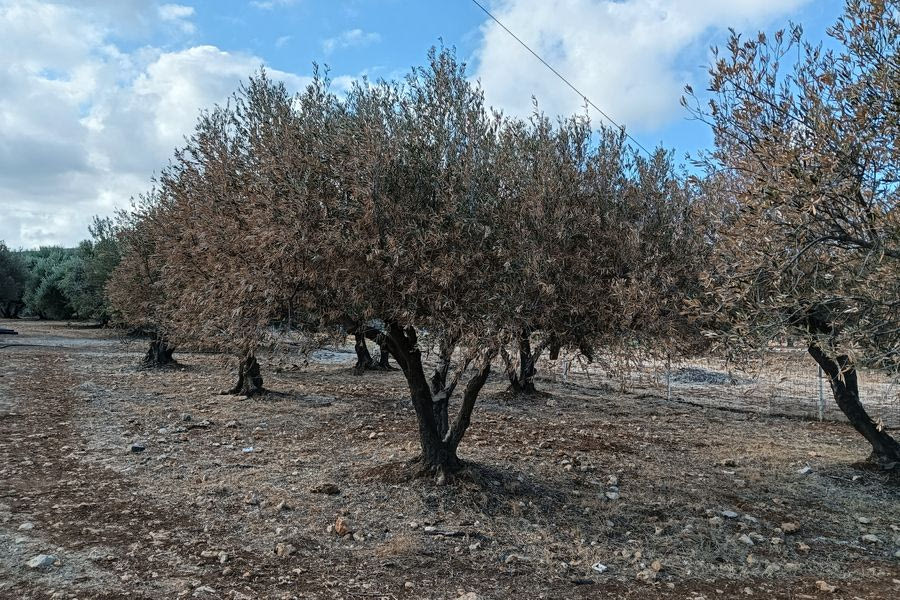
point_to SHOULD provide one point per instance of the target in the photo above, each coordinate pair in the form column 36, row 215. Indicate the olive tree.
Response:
column 806, row 165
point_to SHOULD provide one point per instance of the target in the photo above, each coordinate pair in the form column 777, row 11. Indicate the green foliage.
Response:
column 45, row 291
column 13, row 278
column 68, row 283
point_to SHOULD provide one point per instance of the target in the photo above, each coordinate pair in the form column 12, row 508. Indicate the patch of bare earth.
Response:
column 235, row 498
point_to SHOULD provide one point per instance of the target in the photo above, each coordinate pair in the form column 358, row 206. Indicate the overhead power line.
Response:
column 558, row 74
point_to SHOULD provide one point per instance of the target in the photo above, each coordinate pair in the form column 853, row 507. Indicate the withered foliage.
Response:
column 806, row 167
column 465, row 233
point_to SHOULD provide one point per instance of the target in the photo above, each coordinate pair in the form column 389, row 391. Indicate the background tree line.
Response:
column 60, row 283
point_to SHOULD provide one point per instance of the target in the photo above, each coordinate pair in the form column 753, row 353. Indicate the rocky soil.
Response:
column 117, row 482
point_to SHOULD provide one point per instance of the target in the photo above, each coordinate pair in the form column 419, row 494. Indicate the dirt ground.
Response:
column 234, row 498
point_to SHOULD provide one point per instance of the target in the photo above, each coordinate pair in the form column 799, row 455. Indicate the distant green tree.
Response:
column 45, row 292
column 86, row 275
column 13, row 279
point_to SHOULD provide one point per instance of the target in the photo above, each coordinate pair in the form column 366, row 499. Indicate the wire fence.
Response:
column 786, row 381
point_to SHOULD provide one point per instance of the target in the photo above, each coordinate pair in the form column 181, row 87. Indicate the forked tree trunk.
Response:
column 364, row 360
column 844, row 384
column 250, row 381
column 159, row 354
column 439, row 443
column 521, row 380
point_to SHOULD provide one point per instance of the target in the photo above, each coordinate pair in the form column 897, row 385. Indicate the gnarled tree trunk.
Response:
column 438, row 439
column 521, row 380
column 364, row 360
column 159, row 354
column 844, row 384
column 250, row 381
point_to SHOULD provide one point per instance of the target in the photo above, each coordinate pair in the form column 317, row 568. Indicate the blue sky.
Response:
column 97, row 93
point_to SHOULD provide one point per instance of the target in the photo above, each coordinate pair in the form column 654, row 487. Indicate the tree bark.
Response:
column 250, row 381
column 159, row 354
column 521, row 380
column 844, row 385
column 364, row 360
column 438, row 441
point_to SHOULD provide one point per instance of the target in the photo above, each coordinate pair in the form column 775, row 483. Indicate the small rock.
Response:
column 223, row 558
column 729, row 514
column 871, row 538
column 612, row 495
column 825, row 587
column 26, row 526
column 252, row 499
column 283, row 506
column 716, row 521
column 247, row 450
column 791, row 567
column 186, row 417
column 599, row 567
column 745, row 539
column 136, row 448
column 469, row 596
column 515, row 558
column 284, row 549
column 805, row 470
column 801, row 547
column 341, row 527
column 409, row 585
column 656, row 566
column 358, row 537
column 326, row 488
column 789, row 527
column 231, row 425
column 42, row 561
column 864, row 520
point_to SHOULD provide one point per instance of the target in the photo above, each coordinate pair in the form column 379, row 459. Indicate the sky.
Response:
column 95, row 95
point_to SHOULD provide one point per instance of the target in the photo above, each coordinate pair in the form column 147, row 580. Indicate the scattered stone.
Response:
column 646, row 575
column 341, row 527
column 770, row 570
column 791, row 567
column 729, row 514
column 136, row 448
column 599, row 567
column 825, row 587
column 612, row 480
column 805, row 470
column 515, row 558
column 26, row 526
column 409, row 585
column 789, row 527
column 716, row 521
column 612, row 495
column 326, row 488
column 864, row 520
column 186, row 417
column 358, row 537
column 801, row 547
column 745, row 539
column 42, row 561
column 871, row 538
column 223, row 558
column 656, row 566
column 252, row 499
column 247, row 450
column 231, row 425
column 284, row 549
column 750, row 519
column 283, row 505
column 469, row 596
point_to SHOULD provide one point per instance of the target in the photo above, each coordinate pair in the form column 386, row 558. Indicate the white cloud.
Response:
column 350, row 38
column 178, row 15
column 271, row 4
column 85, row 125
column 281, row 41
column 631, row 57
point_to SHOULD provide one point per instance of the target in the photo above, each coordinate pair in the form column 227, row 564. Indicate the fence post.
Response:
column 821, row 397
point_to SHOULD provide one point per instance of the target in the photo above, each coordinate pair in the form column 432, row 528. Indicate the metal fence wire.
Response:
column 785, row 381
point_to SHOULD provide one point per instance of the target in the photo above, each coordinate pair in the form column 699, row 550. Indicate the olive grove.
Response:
column 409, row 213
